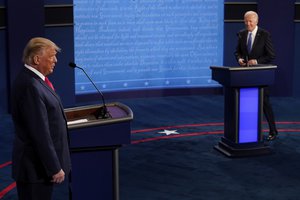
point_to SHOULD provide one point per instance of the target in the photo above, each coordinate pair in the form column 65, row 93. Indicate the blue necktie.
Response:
column 249, row 42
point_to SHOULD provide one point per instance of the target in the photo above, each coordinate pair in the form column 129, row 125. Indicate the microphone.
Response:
column 102, row 112
column 247, row 61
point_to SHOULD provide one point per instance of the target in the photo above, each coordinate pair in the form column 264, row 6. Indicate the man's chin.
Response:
column 50, row 72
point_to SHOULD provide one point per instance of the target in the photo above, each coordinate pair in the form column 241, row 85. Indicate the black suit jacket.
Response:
column 262, row 48
column 40, row 147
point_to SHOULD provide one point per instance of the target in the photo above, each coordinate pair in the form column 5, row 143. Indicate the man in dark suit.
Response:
column 41, row 155
column 255, row 47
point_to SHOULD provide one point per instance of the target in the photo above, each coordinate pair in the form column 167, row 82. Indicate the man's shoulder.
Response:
column 263, row 31
column 243, row 31
column 26, row 74
column 25, row 79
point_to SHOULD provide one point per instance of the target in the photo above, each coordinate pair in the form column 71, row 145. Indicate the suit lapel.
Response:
column 52, row 91
column 56, row 96
column 47, row 87
column 35, row 76
column 257, row 36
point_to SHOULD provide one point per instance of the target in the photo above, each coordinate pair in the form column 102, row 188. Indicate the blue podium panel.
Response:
column 249, row 115
column 243, row 114
column 94, row 145
column 243, row 87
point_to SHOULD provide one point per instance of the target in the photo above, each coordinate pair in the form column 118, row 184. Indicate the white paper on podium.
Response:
column 77, row 121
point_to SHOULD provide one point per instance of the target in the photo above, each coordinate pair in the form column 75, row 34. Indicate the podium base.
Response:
column 242, row 150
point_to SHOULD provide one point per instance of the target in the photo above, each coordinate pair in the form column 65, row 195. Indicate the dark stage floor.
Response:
column 184, row 165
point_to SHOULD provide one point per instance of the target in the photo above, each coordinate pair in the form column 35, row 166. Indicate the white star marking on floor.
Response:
column 169, row 132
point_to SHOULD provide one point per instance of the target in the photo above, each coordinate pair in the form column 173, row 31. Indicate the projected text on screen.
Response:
column 147, row 44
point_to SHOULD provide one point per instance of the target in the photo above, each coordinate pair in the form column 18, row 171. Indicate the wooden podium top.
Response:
column 85, row 116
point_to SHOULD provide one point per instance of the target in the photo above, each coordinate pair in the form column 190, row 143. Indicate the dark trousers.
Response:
column 268, row 111
column 34, row 191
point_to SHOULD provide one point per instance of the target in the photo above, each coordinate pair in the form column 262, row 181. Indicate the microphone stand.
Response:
column 102, row 112
column 247, row 61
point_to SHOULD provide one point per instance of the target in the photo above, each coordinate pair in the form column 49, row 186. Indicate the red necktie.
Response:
column 48, row 82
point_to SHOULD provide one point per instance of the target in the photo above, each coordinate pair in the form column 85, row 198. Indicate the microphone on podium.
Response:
column 247, row 61
column 102, row 113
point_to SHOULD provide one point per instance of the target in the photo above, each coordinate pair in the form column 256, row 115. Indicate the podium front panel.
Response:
column 248, row 115
column 94, row 145
column 243, row 113
column 93, row 175
column 104, row 135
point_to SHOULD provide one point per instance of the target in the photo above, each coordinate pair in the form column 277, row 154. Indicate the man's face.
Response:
column 250, row 22
column 46, row 61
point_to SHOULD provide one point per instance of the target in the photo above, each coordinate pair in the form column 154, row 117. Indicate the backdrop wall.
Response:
column 58, row 27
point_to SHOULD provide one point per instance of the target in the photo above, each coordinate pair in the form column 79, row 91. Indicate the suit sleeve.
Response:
column 238, row 50
column 36, row 118
column 269, row 52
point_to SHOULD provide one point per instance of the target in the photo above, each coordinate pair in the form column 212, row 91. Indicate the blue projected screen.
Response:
column 147, row 44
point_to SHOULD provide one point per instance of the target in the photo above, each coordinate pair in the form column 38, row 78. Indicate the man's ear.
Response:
column 36, row 59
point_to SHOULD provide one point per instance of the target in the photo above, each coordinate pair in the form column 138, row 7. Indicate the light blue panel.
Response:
column 248, row 115
column 138, row 45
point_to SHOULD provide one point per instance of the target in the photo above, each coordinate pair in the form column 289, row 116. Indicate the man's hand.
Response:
column 59, row 177
column 252, row 62
column 242, row 62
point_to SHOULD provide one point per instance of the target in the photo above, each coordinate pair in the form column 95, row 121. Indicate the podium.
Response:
column 243, row 114
column 94, row 145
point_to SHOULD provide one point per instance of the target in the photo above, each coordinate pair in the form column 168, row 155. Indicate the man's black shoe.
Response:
column 272, row 136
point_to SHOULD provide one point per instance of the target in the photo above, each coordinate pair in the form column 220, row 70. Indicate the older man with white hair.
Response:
column 255, row 47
